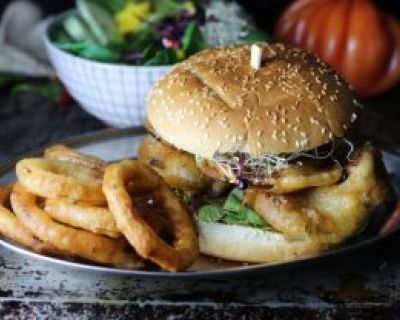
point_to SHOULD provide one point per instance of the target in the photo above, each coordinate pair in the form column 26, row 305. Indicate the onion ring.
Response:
column 142, row 181
column 178, row 168
column 76, row 242
column 54, row 179
column 63, row 153
column 96, row 219
column 13, row 229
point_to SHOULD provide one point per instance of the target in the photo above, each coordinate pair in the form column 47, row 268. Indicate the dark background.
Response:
column 265, row 12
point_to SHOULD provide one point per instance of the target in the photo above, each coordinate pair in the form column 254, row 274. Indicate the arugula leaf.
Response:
column 60, row 35
column 210, row 213
column 113, row 5
column 234, row 201
column 162, row 57
column 142, row 40
column 169, row 7
column 192, row 40
column 100, row 21
column 77, row 30
column 90, row 51
column 144, row 43
column 256, row 35
column 150, row 52
column 166, row 8
column 233, row 212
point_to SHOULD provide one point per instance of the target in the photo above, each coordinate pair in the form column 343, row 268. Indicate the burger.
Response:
column 263, row 153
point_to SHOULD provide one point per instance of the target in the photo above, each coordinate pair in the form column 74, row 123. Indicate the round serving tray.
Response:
column 116, row 144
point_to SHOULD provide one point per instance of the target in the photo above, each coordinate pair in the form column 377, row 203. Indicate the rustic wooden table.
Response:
column 365, row 284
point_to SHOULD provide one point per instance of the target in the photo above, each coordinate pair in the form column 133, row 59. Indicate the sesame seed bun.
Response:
column 216, row 102
column 246, row 244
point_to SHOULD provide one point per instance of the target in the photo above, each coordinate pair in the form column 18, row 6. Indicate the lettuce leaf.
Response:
column 113, row 6
column 233, row 212
column 90, row 51
column 162, row 57
column 192, row 40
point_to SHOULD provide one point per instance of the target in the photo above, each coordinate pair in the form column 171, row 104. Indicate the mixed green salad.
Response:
column 149, row 33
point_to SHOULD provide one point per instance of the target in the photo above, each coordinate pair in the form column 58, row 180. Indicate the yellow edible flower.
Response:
column 130, row 17
column 190, row 7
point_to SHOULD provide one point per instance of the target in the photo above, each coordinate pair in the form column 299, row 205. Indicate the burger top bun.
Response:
column 215, row 102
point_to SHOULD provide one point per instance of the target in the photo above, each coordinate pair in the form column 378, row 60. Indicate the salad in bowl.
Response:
column 147, row 33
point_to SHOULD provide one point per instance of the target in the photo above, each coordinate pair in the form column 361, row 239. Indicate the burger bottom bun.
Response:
column 246, row 244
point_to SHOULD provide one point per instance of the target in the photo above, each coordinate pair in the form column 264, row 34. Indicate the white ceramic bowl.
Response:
column 114, row 93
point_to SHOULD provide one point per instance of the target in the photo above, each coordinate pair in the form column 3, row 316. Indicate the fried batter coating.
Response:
column 55, row 178
column 178, row 168
column 13, row 229
column 63, row 153
column 144, row 181
column 76, row 242
column 295, row 178
column 334, row 212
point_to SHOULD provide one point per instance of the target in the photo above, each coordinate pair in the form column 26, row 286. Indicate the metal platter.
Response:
column 116, row 144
